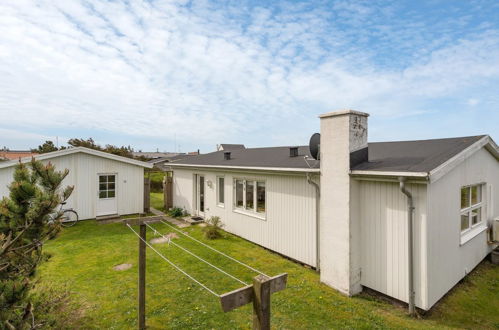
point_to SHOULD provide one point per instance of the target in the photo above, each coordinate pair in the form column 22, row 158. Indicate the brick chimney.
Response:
column 343, row 143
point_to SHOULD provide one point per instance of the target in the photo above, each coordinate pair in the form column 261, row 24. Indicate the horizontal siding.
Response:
column 289, row 227
column 384, row 252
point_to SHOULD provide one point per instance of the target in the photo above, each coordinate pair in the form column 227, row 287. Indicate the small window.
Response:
column 221, row 190
column 107, row 188
column 250, row 195
column 471, row 206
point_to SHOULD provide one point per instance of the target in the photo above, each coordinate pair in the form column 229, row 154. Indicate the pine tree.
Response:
column 28, row 217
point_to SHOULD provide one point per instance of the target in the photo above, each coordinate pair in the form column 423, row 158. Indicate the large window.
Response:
column 471, row 206
column 250, row 195
column 107, row 186
column 221, row 190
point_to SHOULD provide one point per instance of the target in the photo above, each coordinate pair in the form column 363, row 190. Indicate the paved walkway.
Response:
column 179, row 223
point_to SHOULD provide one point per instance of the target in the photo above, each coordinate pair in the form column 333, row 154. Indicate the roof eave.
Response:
column 70, row 151
column 453, row 162
column 254, row 168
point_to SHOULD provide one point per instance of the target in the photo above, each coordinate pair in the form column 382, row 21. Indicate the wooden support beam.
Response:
column 141, row 219
column 259, row 293
column 261, row 303
column 142, row 277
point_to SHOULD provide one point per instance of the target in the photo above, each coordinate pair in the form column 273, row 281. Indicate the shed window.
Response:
column 471, row 206
column 221, row 190
column 107, row 186
column 250, row 195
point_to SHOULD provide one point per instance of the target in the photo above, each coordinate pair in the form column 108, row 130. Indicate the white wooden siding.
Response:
column 83, row 173
column 289, row 227
column 448, row 260
column 383, row 219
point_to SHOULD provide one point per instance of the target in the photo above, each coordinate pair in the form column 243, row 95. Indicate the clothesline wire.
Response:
column 213, row 249
column 173, row 265
column 196, row 256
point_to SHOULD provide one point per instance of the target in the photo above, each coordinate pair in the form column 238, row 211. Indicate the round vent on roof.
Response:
column 314, row 145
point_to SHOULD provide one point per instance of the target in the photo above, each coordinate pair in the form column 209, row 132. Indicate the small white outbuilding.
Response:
column 105, row 184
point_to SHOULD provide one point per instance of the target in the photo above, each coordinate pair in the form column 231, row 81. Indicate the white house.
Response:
column 347, row 214
column 105, row 184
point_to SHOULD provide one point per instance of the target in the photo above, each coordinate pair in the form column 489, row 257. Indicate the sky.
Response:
column 187, row 75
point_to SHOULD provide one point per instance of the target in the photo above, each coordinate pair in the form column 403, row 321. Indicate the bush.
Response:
column 176, row 212
column 214, row 228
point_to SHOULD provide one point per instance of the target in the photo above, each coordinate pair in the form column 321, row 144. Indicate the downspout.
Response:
column 410, row 211
column 317, row 220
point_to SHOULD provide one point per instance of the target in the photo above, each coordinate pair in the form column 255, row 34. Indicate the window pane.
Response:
column 103, row 194
column 476, row 216
column 260, row 197
column 239, row 193
column 221, row 190
column 102, row 178
column 250, row 190
column 110, row 194
column 110, row 178
column 465, row 221
column 102, row 186
column 465, row 197
column 110, row 186
column 476, row 195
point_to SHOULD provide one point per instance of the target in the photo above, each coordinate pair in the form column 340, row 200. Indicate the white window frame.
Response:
column 220, row 204
column 480, row 226
column 251, row 212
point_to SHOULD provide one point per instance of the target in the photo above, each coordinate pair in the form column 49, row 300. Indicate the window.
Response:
column 239, row 193
column 221, row 190
column 107, row 186
column 250, row 195
column 260, row 197
column 471, row 206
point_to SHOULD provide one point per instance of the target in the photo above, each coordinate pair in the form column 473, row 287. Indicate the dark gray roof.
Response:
column 400, row 156
column 414, row 156
column 254, row 157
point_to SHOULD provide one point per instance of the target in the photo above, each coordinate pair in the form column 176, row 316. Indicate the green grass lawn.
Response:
column 157, row 201
column 83, row 258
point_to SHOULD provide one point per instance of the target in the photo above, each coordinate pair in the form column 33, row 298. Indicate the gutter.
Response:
column 317, row 220
column 410, row 247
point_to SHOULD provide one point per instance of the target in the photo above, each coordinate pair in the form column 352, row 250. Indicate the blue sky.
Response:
column 149, row 73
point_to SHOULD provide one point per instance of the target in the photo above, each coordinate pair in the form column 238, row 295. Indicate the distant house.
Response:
column 162, row 161
column 228, row 147
column 152, row 154
column 15, row 154
column 105, row 184
column 346, row 213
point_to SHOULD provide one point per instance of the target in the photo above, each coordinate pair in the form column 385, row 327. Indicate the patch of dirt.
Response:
column 163, row 240
column 122, row 267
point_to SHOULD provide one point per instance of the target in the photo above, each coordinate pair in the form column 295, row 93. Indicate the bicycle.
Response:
column 69, row 216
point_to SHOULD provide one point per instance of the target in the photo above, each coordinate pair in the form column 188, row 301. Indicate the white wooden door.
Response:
column 106, row 196
column 200, row 195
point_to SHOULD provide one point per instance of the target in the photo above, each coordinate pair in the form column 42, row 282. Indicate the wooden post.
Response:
column 142, row 277
column 261, row 302
column 147, row 196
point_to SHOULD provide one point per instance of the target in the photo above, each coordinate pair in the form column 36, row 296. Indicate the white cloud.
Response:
column 221, row 73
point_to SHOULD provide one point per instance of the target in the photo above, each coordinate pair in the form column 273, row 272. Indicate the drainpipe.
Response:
column 410, row 211
column 317, row 220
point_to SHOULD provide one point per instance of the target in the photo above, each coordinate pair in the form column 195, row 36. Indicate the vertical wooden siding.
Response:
column 449, row 260
column 289, row 227
column 383, row 214
column 83, row 175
